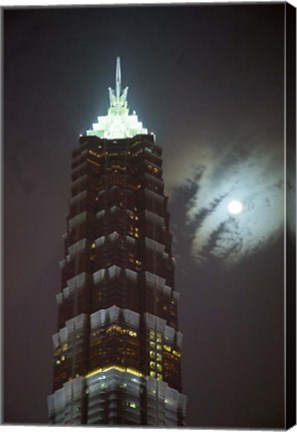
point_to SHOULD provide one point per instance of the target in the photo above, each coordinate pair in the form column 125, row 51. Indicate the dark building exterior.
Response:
column 117, row 351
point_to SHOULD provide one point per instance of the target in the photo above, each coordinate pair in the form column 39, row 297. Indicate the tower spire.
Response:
column 118, row 77
column 118, row 123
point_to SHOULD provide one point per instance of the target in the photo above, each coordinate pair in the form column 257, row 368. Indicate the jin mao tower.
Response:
column 117, row 349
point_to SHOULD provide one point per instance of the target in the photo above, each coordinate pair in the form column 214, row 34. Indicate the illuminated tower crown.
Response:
column 118, row 123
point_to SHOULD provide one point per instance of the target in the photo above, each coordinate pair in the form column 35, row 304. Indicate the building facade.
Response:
column 117, row 350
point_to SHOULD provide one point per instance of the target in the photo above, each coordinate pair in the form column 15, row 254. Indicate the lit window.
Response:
column 159, row 376
column 152, row 365
column 152, row 344
column 152, row 374
column 114, row 328
column 132, row 333
column 159, row 368
column 152, row 354
column 159, row 357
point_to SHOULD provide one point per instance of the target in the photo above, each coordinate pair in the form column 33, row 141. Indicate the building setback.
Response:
column 117, row 350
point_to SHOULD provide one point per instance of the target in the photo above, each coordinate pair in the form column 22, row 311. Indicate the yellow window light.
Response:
column 118, row 368
column 132, row 333
column 159, row 357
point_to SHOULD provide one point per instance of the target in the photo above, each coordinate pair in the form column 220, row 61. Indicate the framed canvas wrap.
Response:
column 170, row 300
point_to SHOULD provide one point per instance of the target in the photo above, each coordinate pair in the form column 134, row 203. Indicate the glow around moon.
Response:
column 235, row 207
column 256, row 219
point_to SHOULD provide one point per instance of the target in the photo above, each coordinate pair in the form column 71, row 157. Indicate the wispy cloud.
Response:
column 251, row 173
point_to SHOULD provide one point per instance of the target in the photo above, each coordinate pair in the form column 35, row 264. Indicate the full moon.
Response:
column 235, row 207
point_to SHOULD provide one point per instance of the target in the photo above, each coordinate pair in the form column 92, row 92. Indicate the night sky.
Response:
column 208, row 81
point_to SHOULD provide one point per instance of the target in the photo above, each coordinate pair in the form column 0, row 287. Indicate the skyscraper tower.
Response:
column 117, row 351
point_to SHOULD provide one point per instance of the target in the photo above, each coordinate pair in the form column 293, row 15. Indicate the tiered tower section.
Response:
column 117, row 351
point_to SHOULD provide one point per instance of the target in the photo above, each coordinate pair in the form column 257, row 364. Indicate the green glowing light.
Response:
column 118, row 123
